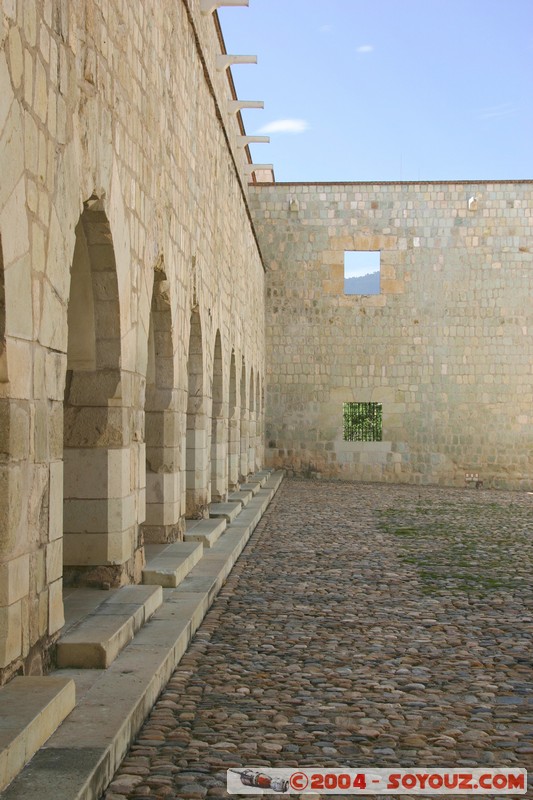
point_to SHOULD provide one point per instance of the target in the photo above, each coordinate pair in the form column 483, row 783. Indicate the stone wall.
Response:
column 445, row 347
column 131, row 298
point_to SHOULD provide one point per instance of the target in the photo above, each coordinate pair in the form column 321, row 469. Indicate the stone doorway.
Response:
column 196, row 459
column 99, row 509
column 162, row 422
column 233, row 428
column 219, row 478
column 243, row 466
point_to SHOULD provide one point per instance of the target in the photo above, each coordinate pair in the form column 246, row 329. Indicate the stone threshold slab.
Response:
column 226, row 510
column 31, row 709
column 263, row 473
column 172, row 564
column 206, row 531
column 240, row 497
column 251, row 486
column 85, row 752
column 96, row 641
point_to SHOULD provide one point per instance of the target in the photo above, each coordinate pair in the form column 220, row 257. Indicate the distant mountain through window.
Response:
column 364, row 284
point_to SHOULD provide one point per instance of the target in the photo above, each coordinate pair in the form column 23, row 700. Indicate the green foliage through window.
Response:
column 363, row 422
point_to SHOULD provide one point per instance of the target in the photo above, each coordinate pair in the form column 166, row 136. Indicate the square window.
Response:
column 362, row 271
column 362, row 422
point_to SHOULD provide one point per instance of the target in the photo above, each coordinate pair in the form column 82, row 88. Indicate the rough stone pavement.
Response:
column 363, row 626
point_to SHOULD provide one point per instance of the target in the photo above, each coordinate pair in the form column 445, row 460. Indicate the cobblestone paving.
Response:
column 363, row 626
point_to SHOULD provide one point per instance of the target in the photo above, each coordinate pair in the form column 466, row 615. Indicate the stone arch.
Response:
column 196, row 460
column 233, row 427
column 163, row 485
column 243, row 467
column 100, row 526
column 218, row 427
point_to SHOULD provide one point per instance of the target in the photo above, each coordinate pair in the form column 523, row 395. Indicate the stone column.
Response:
column 219, row 458
column 102, row 472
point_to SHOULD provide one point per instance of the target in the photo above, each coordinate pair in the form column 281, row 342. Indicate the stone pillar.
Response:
column 197, row 464
column 164, row 520
column 103, row 472
column 245, row 427
column 219, row 458
column 234, row 450
column 252, row 432
column 259, row 446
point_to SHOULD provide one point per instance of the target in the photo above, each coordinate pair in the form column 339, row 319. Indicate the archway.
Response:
column 163, row 485
column 243, row 466
column 252, row 423
column 259, row 424
column 218, row 429
column 3, row 359
column 196, row 459
column 100, row 527
column 233, row 428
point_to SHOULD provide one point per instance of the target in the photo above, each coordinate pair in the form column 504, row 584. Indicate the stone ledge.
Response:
column 172, row 564
column 227, row 510
column 251, row 486
column 95, row 642
column 206, row 531
column 240, row 497
column 32, row 708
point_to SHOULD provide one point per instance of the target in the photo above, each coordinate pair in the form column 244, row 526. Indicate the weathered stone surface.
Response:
column 115, row 304
column 436, row 347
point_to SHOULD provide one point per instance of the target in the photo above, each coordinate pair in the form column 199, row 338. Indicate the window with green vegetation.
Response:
column 363, row 422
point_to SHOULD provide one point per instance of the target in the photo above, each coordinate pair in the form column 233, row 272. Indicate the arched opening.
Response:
column 163, row 485
column 252, row 432
column 259, row 424
column 233, row 428
column 243, row 466
column 218, row 429
column 99, row 509
column 196, row 459
column 3, row 359
column 263, row 422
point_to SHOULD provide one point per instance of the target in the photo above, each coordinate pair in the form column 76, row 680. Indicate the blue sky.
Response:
column 386, row 90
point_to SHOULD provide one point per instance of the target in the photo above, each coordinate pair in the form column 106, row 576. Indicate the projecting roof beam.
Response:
column 244, row 140
column 208, row 6
column 249, row 168
column 236, row 105
column 223, row 62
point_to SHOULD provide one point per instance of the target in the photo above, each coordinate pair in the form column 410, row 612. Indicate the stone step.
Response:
column 240, row 497
column 227, row 510
column 172, row 564
column 206, row 531
column 89, row 746
column 264, row 473
column 260, row 477
column 252, row 486
column 95, row 642
column 31, row 709
column 275, row 480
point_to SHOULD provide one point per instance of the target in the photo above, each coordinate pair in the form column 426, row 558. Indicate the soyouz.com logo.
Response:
column 416, row 781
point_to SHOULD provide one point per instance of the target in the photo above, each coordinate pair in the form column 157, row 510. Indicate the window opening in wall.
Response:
column 361, row 271
column 362, row 422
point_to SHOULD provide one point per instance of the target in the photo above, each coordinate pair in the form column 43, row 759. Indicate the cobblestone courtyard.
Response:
column 363, row 626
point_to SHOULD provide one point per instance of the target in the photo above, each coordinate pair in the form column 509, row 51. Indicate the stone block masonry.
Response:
column 446, row 346
column 131, row 298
